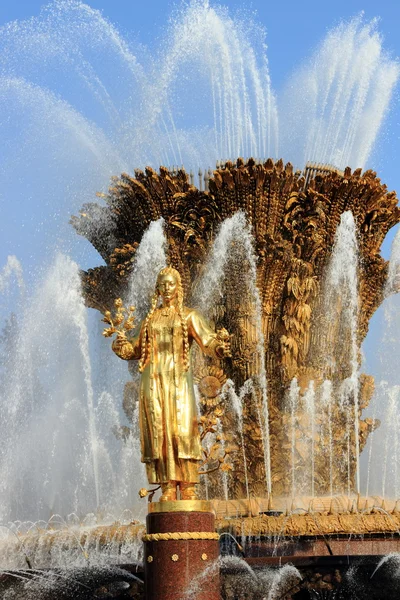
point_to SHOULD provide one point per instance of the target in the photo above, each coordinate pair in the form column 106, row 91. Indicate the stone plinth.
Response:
column 181, row 552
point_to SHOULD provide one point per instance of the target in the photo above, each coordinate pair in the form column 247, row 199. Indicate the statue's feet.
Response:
column 168, row 491
column 188, row 491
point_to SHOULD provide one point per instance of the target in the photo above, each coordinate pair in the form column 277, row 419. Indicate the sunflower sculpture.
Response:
column 216, row 439
column 210, row 381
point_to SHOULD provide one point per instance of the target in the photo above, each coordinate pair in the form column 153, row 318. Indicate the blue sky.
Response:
column 294, row 30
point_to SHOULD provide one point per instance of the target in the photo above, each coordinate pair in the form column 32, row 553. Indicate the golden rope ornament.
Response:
column 144, row 347
column 181, row 535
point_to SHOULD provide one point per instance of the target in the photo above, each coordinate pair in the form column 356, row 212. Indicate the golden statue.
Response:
column 170, row 440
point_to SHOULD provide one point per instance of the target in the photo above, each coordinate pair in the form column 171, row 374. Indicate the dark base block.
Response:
column 177, row 569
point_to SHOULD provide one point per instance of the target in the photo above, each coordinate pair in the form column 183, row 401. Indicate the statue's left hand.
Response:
column 223, row 348
column 122, row 347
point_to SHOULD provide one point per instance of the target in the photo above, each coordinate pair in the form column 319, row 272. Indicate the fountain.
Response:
column 286, row 258
column 304, row 259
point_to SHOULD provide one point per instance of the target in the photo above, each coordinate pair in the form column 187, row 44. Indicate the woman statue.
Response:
column 170, row 440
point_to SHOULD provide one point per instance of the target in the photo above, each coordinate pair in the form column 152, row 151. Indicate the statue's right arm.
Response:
column 128, row 348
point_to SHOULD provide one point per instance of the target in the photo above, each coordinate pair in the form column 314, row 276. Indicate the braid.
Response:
column 145, row 335
column 176, row 274
column 186, row 361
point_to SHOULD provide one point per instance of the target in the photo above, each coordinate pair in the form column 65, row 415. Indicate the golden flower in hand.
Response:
column 143, row 492
column 121, row 322
column 129, row 324
column 108, row 332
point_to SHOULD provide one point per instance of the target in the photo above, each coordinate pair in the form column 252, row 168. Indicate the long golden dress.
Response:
column 170, row 441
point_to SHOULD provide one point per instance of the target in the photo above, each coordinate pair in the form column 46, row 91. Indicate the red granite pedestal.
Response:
column 186, row 567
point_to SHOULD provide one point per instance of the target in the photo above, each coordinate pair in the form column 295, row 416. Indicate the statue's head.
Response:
column 169, row 285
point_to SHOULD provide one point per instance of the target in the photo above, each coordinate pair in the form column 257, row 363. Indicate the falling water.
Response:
column 266, row 584
column 384, row 368
column 236, row 401
column 59, row 451
column 341, row 97
column 224, row 474
column 371, row 444
column 76, row 95
column 389, row 358
column 393, row 279
column 391, row 426
column 389, row 346
column 309, row 403
column 12, row 268
column 345, row 394
column 392, row 557
column 150, row 258
column 79, row 318
column 203, row 94
column 207, row 444
column 326, row 402
column 237, row 116
column 341, row 306
column 42, row 391
column 232, row 254
column 70, row 542
column 294, row 405
column 282, row 580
